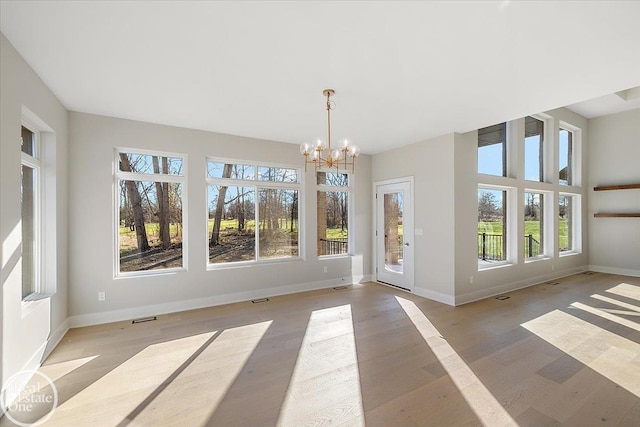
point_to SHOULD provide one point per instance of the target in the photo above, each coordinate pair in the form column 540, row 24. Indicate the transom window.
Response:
column 492, row 150
column 565, row 158
column 252, row 212
column 533, row 149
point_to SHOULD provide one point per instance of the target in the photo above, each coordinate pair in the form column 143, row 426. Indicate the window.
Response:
column 568, row 218
column 150, row 192
column 333, row 213
column 492, row 150
column 492, row 226
column 30, row 202
column 565, row 147
column 252, row 212
column 533, row 149
column 533, row 224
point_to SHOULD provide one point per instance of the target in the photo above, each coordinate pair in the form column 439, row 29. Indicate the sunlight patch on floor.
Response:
column 607, row 315
column 195, row 394
column 626, row 290
column 111, row 398
column 611, row 355
column 616, row 302
column 58, row 370
column 480, row 400
column 327, row 364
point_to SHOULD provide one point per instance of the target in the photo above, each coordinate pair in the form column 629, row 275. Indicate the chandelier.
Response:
column 321, row 154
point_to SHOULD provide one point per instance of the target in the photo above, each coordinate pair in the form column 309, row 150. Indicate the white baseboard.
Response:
column 436, row 296
column 192, row 304
column 514, row 286
column 614, row 270
column 55, row 337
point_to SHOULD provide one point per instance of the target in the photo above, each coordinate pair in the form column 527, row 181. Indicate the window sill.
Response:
column 487, row 265
column 247, row 264
column 568, row 253
column 536, row 259
column 337, row 256
column 149, row 273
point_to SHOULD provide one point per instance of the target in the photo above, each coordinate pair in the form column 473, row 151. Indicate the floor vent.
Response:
column 502, row 297
column 339, row 288
column 588, row 273
column 256, row 301
column 552, row 283
column 144, row 319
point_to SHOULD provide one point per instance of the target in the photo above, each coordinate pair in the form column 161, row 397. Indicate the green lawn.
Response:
column 530, row 227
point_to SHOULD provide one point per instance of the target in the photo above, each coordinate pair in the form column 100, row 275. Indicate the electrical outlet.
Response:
column 101, row 296
column 470, row 279
column 325, row 269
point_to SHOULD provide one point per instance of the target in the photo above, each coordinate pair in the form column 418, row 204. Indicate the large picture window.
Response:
column 333, row 213
column 150, row 191
column 252, row 212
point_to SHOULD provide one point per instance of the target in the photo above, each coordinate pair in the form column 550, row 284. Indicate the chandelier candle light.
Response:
column 341, row 158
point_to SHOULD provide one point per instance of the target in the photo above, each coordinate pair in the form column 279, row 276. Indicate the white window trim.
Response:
column 350, row 209
column 511, row 227
column 548, row 225
column 257, row 185
column 132, row 176
column 576, row 225
column 34, row 162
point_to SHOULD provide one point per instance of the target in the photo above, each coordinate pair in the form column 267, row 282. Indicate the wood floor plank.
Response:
column 355, row 357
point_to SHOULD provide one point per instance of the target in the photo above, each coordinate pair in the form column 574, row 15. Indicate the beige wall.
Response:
column 431, row 164
column 614, row 158
column 93, row 139
column 27, row 329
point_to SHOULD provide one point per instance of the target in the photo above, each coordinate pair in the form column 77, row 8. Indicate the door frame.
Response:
column 374, row 242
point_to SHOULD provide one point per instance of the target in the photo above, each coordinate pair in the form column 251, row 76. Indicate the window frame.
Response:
column 34, row 162
column 164, row 178
column 508, row 228
column 576, row 225
column 256, row 184
column 543, row 167
column 505, row 151
column 546, row 225
column 327, row 188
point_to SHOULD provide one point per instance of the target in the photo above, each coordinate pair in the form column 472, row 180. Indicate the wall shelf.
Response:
column 617, row 215
column 617, row 187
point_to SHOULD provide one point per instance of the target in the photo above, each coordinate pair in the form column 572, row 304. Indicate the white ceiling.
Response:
column 402, row 71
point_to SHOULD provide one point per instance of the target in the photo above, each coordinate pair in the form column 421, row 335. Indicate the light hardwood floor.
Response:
column 554, row 354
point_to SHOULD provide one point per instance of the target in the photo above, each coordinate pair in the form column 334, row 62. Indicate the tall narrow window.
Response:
column 565, row 223
column 533, row 224
column 533, row 149
column 253, row 212
column 492, row 226
column 150, row 211
column 565, row 146
column 30, row 198
column 492, row 150
column 333, row 213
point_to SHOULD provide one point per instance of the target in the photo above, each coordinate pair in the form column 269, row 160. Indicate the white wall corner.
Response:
column 55, row 337
column 435, row 296
column 614, row 270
